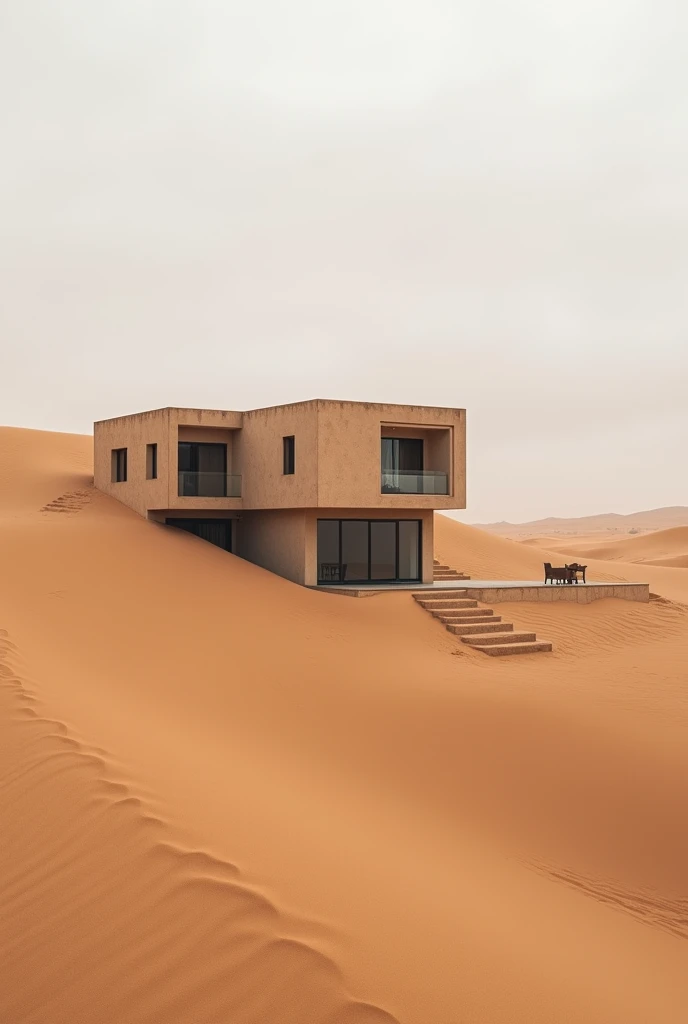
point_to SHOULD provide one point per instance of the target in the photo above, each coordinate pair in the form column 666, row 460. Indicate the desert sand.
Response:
column 228, row 799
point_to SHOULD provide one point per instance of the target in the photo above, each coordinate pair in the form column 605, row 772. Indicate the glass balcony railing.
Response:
column 416, row 481
column 209, row 485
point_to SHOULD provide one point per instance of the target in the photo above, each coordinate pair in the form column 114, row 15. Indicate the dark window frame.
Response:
column 288, row 455
column 119, row 465
column 395, row 579
column 151, row 461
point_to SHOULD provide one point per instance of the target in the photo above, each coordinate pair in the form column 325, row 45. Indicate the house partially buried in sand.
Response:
column 320, row 492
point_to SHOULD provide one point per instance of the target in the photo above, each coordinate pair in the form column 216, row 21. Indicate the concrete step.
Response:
column 437, row 568
column 499, row 638
column 460, row 629
column 443, row 592
column 457, row 602
column 501, row 650
column 439, row 594
column 446, row 577
column 468, row 620
column 441, row 613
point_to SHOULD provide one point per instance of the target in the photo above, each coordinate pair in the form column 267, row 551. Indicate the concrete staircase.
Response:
column 479, row 627
column 445, row 572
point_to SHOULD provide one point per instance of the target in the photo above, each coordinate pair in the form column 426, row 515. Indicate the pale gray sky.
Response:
column 233, row 204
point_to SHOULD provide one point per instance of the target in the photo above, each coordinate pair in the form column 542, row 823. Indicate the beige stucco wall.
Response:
column 134, row 433
column 260, row 448
column 164, row 427
column 209, row 435
column 275, row 540
column 224, row 419
column 349, row 453
column 337, row 454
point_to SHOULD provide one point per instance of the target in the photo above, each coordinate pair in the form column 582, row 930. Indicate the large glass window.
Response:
column 202, row 469
column 383, row 544
column 328, row 551
column 355, row 549
column 409, row 549
column 359, row 550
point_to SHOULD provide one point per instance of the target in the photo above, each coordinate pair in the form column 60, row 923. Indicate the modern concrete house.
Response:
column 321, row 492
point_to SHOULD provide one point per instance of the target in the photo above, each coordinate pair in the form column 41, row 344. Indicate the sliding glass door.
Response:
column 369, row 550
column 383, row 549
column 354, row 548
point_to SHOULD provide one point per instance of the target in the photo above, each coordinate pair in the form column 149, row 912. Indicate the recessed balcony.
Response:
column 415, row 460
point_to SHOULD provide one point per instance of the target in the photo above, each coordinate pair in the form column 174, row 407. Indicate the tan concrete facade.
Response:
column 337, row 471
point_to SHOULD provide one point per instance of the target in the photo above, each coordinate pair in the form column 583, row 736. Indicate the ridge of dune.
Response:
column 38, row 464
column 662, row 547
column 221, row 949
column 231, row 800
column 612, row 522
column 488, row 556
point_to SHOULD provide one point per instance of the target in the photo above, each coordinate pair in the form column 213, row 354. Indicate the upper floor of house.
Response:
column 315, row 454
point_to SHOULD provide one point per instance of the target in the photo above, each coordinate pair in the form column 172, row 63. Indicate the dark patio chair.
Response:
column 575, row 569
column 556, row 574
column 329, row 571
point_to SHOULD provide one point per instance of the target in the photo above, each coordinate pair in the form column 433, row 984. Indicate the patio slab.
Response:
column 499, row 591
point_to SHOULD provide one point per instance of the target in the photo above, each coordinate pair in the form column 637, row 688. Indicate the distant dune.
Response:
column 664, row 547
column 610, row 522
column 226, row 799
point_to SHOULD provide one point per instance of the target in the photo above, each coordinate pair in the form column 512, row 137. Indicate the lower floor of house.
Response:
column 321, row 546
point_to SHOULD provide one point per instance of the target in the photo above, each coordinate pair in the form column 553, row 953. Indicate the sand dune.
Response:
column 610, row 523
column 664, row 547
column 228, row 799
column 485, row 556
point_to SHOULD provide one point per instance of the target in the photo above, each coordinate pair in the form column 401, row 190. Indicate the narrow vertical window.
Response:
column 288, row 455
column 151, row 462
column 119, row 465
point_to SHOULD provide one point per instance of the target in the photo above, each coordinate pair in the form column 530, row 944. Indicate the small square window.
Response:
column 151, row 462
column 288, row 455
column 119, row 465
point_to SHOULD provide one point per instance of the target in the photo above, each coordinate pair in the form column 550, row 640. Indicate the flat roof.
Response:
column 284, row 405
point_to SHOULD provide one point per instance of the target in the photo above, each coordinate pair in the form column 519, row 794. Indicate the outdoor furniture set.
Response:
column 565, row 573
